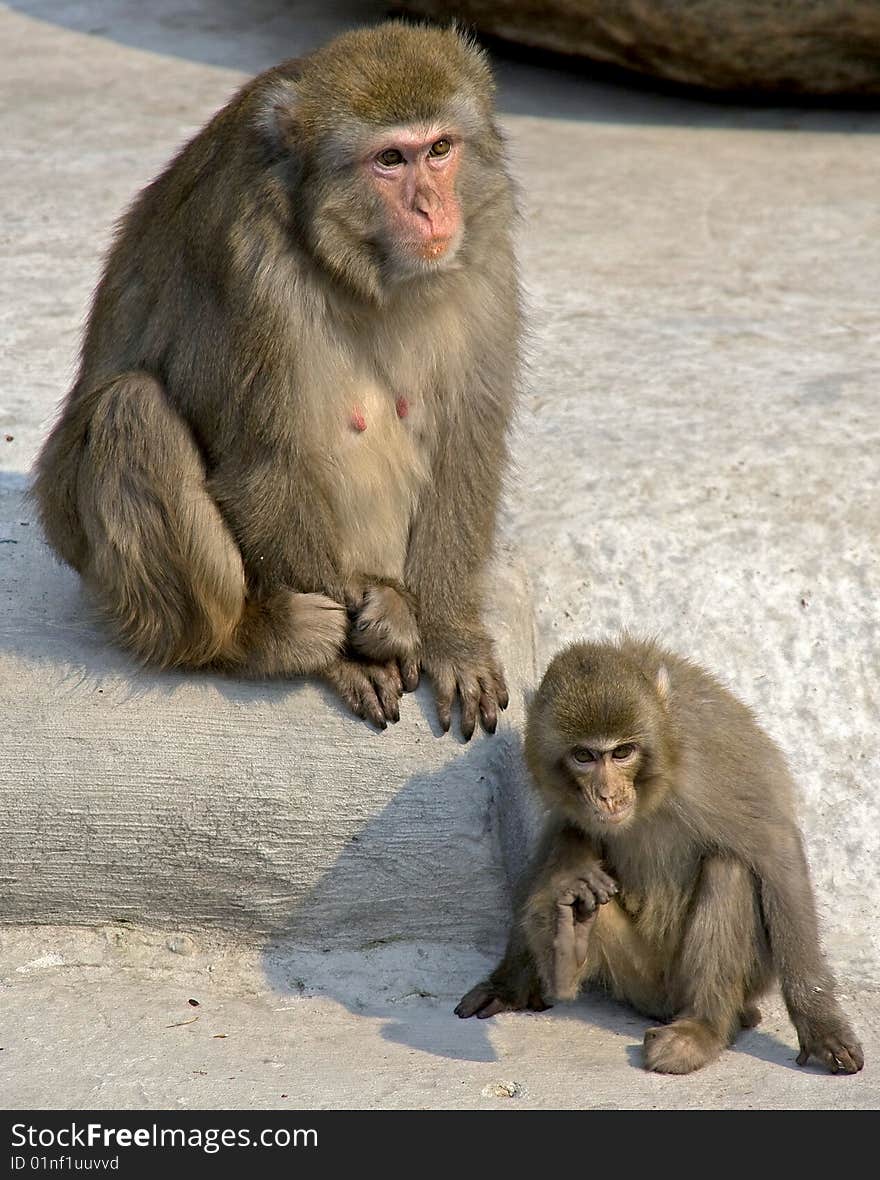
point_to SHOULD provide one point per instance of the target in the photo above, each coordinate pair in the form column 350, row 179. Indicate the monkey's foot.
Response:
column 475, row 677
column 489, row 999
column 372, row 691
column 750, row 1017
column 681, row 1047
column 316, row 623
column 384, row 628
column 833, row 1043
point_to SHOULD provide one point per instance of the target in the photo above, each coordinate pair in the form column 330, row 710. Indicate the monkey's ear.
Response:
column 663, row 684
column 280, row 107
column 285, row 122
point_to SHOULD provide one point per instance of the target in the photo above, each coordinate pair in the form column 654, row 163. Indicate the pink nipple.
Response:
column 402, row 407
column 358, row 421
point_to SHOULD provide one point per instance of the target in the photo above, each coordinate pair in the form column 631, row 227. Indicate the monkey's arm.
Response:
column 449, row 545
column 807, row 983
column 547, row 949
column 568, row 886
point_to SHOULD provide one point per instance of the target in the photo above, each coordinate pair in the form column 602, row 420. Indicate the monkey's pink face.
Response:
column 605, row 775
column 413, row 173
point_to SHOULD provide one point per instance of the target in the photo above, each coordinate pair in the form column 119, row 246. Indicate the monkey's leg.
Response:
column 620, row 962
column 722, row 962
column 448, row 549
column 160, row 559
column 384, row 628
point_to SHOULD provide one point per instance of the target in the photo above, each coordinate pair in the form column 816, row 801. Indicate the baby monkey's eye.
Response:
column 441, row 148
column 621, row 753
column 391, row 157
column 582, row 754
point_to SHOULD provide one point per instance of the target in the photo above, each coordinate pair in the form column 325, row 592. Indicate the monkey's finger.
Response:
column 471, row 1002
column 392, row 671
column 565, row 965
column 582, row 941
column 841, row 1058
column 803, row 1057
column 564, row 901
column 387, row 689
column 409, row 674
column 469, row 695
column 501, row 693
column 358, row 694
column 583, row 910
column 488, row 703
column 444, row 689
column 493, row 1008
column 371, row 708
column 847, row 1062
column 488, row 713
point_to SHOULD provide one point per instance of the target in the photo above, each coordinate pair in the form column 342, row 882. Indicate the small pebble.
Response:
column 503, row 1090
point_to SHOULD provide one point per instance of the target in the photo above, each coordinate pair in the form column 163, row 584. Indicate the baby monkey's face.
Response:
column 603, row 772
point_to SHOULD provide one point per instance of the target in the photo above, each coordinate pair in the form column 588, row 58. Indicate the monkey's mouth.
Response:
column 618, row 815
column 436, row 247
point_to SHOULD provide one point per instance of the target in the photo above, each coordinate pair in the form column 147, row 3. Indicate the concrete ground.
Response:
column 697, row 457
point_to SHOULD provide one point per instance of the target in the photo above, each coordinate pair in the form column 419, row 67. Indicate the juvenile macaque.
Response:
column 671, row 872
column 283, row 451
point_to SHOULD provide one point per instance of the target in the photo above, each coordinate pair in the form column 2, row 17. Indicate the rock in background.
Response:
column 806, row 47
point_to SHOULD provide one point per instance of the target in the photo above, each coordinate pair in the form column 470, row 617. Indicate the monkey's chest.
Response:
column 374, row 469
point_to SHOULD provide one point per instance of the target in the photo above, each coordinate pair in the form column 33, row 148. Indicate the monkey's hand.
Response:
column 512, row 987
column 576, row 902
column 372, row 691
column 383, row 628
column 832, row 1042
column 465, row 666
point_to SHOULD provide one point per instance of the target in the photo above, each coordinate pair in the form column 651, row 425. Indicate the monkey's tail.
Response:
column 158, row 555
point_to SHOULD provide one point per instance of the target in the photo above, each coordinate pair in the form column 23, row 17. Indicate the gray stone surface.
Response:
column 173, row 798
column 697, row 457
column 102, row 1020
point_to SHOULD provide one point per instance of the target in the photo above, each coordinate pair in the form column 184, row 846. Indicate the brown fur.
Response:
column 689, row 905
column 204, row 476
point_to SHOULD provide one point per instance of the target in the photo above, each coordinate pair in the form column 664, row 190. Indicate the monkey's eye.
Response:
column 390, row 158
column 621, row 753
column 441, row 148
column 582, row 754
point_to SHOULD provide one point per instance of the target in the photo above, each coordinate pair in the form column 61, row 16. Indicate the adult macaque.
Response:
column 671, row 872
column 283, row 451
